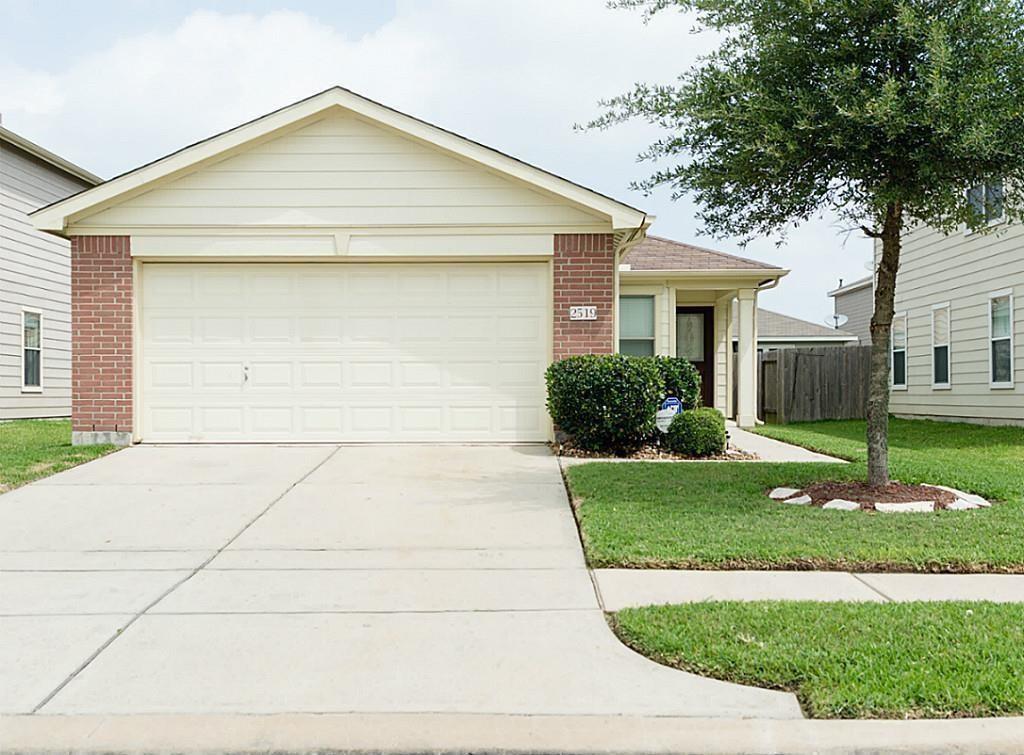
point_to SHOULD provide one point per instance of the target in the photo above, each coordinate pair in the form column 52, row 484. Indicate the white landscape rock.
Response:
column 782, row 493
column 977, row 500
column 910, row 507
column 962, row 504
column 841, row 504
column 800, row 500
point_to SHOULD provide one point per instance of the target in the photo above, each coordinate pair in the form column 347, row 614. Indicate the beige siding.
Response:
column 963, row 270
column 858, row 306
column 342, row 171
column 35, row 275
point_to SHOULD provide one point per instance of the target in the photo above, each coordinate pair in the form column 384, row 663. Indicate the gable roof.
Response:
column 775, row 326
column 40, row 153
column 657, row 253
column 54, row 217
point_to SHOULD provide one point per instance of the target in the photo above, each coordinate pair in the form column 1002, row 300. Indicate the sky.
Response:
column 112, row 85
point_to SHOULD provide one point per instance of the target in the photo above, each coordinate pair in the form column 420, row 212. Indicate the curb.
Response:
column 454, row 733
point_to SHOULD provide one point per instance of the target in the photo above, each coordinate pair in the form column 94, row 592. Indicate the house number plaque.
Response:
column 583, row 313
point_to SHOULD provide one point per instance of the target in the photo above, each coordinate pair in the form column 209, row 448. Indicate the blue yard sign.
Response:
column 672, row 403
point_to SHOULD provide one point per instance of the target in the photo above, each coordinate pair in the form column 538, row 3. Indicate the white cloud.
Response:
column 515, row 75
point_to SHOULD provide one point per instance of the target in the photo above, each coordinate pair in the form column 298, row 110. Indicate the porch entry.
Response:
column 695, row 327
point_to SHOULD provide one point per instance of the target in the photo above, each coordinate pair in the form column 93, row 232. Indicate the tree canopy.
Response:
column 846, row 105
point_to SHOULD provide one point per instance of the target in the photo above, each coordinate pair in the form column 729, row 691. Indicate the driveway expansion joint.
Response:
column 121, row 630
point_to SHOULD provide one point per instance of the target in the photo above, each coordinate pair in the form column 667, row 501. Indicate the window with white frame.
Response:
column 636, row 326
column 1000, row 332
column 986, row 201
column 899, row 350
column 31, row 351
column 940, row 346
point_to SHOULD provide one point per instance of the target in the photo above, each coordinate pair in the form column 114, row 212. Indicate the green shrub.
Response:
column 606, row 402
column 697, row 432
column 681, row 379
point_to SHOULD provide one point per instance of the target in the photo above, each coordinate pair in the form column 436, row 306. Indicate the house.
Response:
column 339, row 271
column 957, row 349
column 35, row 281
column 856, row 301
column 778, row 331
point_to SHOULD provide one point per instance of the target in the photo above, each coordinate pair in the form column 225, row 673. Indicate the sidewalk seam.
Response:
column 121, row 630
column 887, row 598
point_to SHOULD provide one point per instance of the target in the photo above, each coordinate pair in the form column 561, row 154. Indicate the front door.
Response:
column 694, row 342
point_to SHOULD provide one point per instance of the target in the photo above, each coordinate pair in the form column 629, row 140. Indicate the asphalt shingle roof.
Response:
column 656, row 253
column 777, row 325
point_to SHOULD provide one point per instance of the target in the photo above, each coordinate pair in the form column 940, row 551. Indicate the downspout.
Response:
column 634, row 238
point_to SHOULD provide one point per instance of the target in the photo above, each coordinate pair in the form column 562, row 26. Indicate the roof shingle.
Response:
column 656, row 253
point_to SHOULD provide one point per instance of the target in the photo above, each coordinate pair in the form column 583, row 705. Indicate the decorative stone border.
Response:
column 964, row 502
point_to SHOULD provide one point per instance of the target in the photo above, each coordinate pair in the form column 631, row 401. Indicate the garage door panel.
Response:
column 281, row 352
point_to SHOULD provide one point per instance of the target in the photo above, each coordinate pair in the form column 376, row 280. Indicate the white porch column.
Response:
column 723, row 353
column 746, row 410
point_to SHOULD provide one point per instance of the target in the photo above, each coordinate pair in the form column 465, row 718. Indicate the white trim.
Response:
column 851, row 287
column 55, row 217
column 948, row 344
column 21, row 356
column 893, row 385
column 992, row 384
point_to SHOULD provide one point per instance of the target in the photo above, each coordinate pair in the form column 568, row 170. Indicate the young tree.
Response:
column 881, row 111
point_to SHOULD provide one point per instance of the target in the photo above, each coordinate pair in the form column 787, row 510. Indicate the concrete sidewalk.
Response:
column 624, row 588
column 769, row 449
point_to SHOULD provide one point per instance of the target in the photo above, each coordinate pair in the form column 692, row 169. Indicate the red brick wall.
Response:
column 584, row 275
column 101, row 333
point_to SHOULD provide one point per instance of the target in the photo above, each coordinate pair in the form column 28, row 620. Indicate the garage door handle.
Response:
column 245, row 374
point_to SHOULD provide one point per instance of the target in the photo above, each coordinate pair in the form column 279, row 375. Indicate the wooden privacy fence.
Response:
column 801, row 385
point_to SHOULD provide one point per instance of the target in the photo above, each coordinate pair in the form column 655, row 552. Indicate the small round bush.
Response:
column 697, row 432
column 606, row 402
column 681, row 380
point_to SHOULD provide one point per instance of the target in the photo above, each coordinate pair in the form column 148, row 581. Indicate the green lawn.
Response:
column 33, row 448
column 848, row 660
column 717, row 515
column 984, row 460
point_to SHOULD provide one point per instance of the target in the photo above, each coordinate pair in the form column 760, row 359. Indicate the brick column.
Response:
column 101, row 339
column 584, row 275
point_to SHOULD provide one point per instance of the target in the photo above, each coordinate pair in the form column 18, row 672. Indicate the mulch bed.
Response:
column 862, row 493
column 649, row 452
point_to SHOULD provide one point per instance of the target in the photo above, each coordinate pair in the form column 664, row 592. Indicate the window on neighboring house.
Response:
column 899, row 350
column 940, row 346
column 1000, row 306
column 986, row 201
column 636, row 325
column 31, row 351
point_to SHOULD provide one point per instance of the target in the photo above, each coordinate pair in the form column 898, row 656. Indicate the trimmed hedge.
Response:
column 606, row 402
column 681, row 379
column 697, row 432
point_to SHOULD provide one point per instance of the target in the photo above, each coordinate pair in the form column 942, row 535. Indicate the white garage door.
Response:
column 344, row 352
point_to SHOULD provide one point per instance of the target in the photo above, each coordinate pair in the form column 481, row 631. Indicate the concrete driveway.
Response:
column 318, row 579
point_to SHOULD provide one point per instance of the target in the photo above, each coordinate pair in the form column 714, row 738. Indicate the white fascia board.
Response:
column 753, row 276
column 851, row 287
column 54, row 217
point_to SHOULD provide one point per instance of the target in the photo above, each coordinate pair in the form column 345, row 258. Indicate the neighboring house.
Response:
column 958, row 334
column 35, row 282
column 856, row 300
column 340, row 271
column 778, row 331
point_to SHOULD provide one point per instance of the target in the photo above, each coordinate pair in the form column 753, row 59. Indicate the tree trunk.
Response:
column 881, row 329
